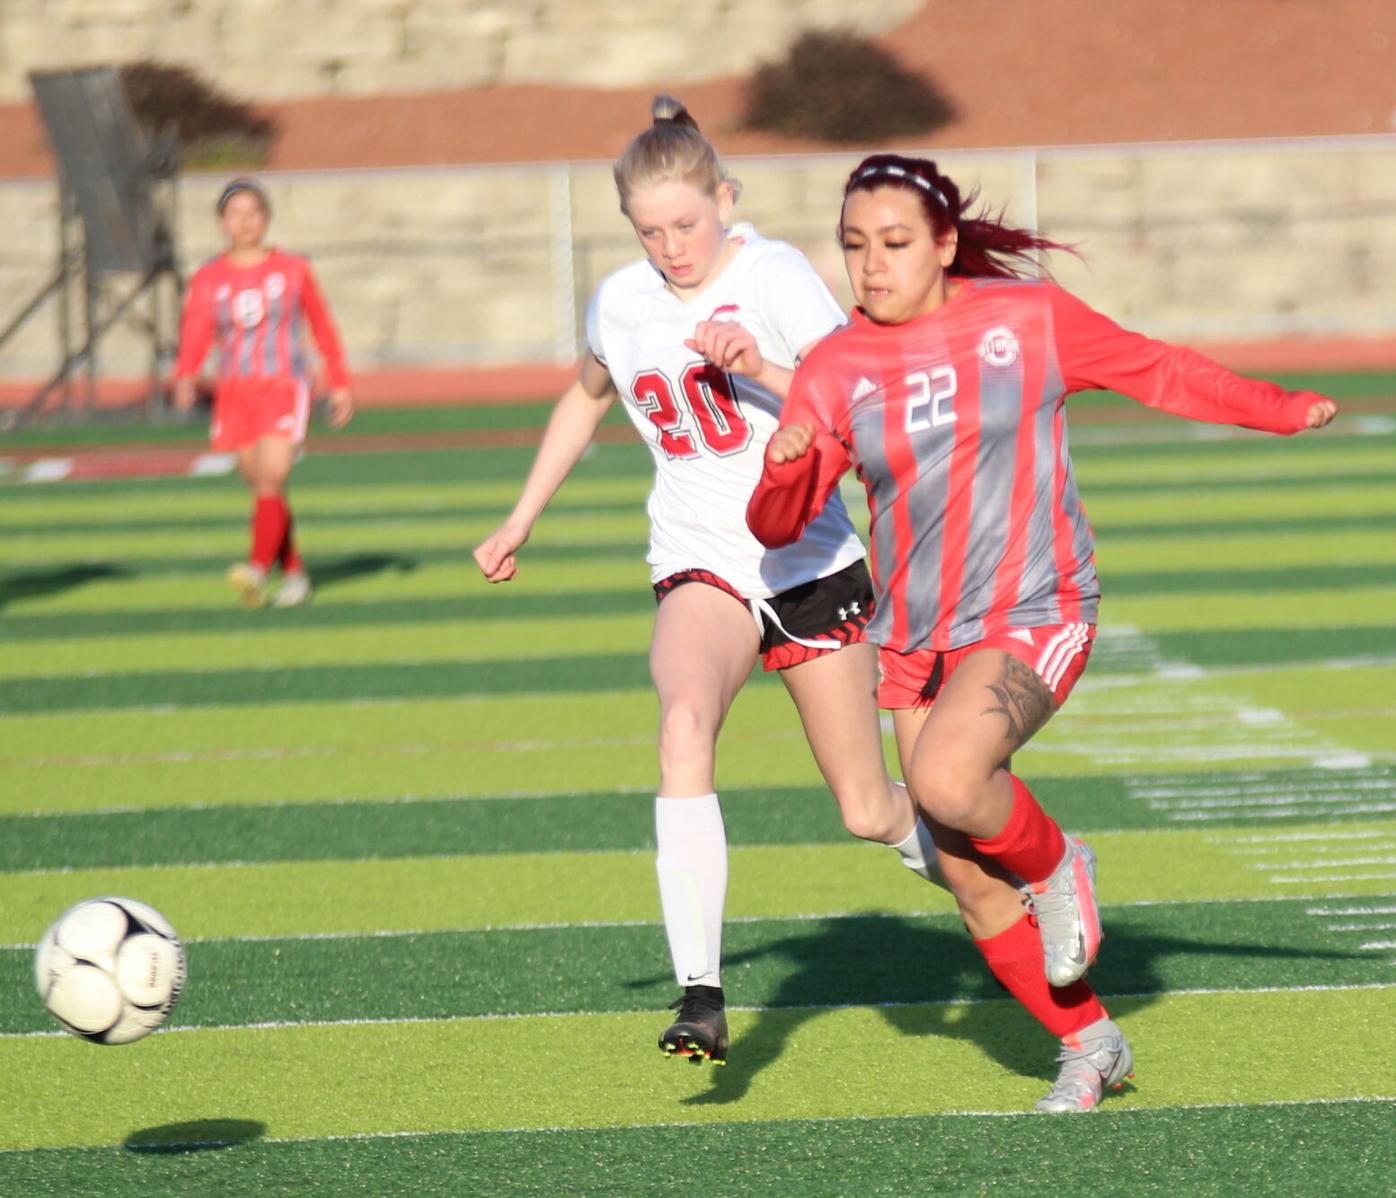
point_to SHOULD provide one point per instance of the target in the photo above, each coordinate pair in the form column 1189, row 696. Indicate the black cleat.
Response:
column 700, row 1031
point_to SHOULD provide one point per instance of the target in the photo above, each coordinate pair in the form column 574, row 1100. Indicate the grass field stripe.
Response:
column 343, row 827
column 475, row 891
column 373, row 744
column 735, row 920
column 1292, row 1148
column 869, row 961
column 307, row 1081
column 1116, row 550
column 73, row 598
column 274, row 648
column 1260, row 728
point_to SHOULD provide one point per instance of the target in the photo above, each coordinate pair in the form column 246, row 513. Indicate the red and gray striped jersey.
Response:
column 955, row 423
column 256, row 314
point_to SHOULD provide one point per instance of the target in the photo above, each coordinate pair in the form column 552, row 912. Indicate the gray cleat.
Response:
column 1093, row 1060
column 1068, row 918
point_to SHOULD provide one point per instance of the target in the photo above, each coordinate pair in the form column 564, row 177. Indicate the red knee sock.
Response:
column 1015, row 958
column 271, row 519
column 289, row 557
column 1030, row 844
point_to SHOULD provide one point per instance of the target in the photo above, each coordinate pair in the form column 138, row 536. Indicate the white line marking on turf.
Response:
column 1376, row 944
column 154, row 1147
column 501, row 1016
column 1321, row 862
column 1275, row 838
column 1283, row 881
column 810, row 917
column 1363, row 910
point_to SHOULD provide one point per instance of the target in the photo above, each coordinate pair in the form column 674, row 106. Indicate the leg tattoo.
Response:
column 1023, row 700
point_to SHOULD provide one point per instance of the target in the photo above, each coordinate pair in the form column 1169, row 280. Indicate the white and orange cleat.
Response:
column 1093, row 1060
column 250, row 582
column 1068, row 917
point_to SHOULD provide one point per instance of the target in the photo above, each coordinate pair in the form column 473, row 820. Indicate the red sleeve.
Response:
column 1095, row 352
column 195, row 327
column 317, row 315
column 790, row 495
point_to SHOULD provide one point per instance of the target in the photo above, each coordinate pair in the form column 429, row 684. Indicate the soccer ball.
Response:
column 110, row 969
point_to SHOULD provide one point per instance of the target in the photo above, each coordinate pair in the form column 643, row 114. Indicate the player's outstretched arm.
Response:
column 569, row 432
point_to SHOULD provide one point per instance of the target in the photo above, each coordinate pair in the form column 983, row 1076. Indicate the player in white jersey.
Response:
column 700, row 339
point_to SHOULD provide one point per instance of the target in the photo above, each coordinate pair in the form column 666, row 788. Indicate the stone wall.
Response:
column 494, row 265
column 271, row 49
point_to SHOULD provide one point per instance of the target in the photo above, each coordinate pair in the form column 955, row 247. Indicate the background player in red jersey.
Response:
column 698, row 339
column 947, row 391
column 252, row 299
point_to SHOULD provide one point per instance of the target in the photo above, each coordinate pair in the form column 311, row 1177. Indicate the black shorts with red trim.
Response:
column 834, row 608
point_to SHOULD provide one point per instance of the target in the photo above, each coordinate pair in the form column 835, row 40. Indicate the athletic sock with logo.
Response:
column 692, row 868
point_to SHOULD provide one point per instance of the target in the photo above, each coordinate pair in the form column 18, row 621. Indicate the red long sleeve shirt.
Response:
column 955, row 423
column 256, row 313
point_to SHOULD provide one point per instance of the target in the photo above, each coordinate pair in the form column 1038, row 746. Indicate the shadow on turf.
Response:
column 360, row 565
column 929, row 982
column 38, row 583
column 198, row 1135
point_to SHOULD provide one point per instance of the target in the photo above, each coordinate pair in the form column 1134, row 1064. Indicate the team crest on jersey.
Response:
column 726, row 312
column 275, row 285
column 249, row 308
column 999, row 346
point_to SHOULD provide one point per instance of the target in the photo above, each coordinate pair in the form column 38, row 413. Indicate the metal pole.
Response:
column 564, row 277
column 67, row 208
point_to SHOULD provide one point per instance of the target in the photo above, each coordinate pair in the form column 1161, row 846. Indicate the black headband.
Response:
column 238, row 185
column 890, row 170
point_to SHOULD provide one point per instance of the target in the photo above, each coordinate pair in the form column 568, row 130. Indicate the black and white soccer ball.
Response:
column 110, row 969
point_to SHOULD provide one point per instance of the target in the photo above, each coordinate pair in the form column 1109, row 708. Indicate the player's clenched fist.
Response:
column 789, row 444
column 495, row 555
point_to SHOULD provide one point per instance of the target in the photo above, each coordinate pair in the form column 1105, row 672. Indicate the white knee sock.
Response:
column 692, row 868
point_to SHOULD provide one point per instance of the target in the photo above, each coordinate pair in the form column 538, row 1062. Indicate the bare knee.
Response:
column 687, row 735
column 952, row 791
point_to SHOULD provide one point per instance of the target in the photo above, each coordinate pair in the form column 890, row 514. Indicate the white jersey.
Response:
column 708, row 429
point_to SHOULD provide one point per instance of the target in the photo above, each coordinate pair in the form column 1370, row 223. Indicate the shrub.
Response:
column 841, row 87
column 213, row 129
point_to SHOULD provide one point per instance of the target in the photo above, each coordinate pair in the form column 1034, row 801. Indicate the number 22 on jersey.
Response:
column 712, row 411
column 928, row 405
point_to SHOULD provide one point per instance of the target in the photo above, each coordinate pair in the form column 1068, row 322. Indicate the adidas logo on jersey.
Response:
column 863, row 389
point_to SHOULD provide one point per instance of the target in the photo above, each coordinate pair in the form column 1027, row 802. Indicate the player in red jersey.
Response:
column 946, row 392
column 253, row 299
column 698, row 340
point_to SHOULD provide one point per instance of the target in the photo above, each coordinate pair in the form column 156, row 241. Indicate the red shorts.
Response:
column 805, row 622
column 245, row 410
column 1056, row 653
